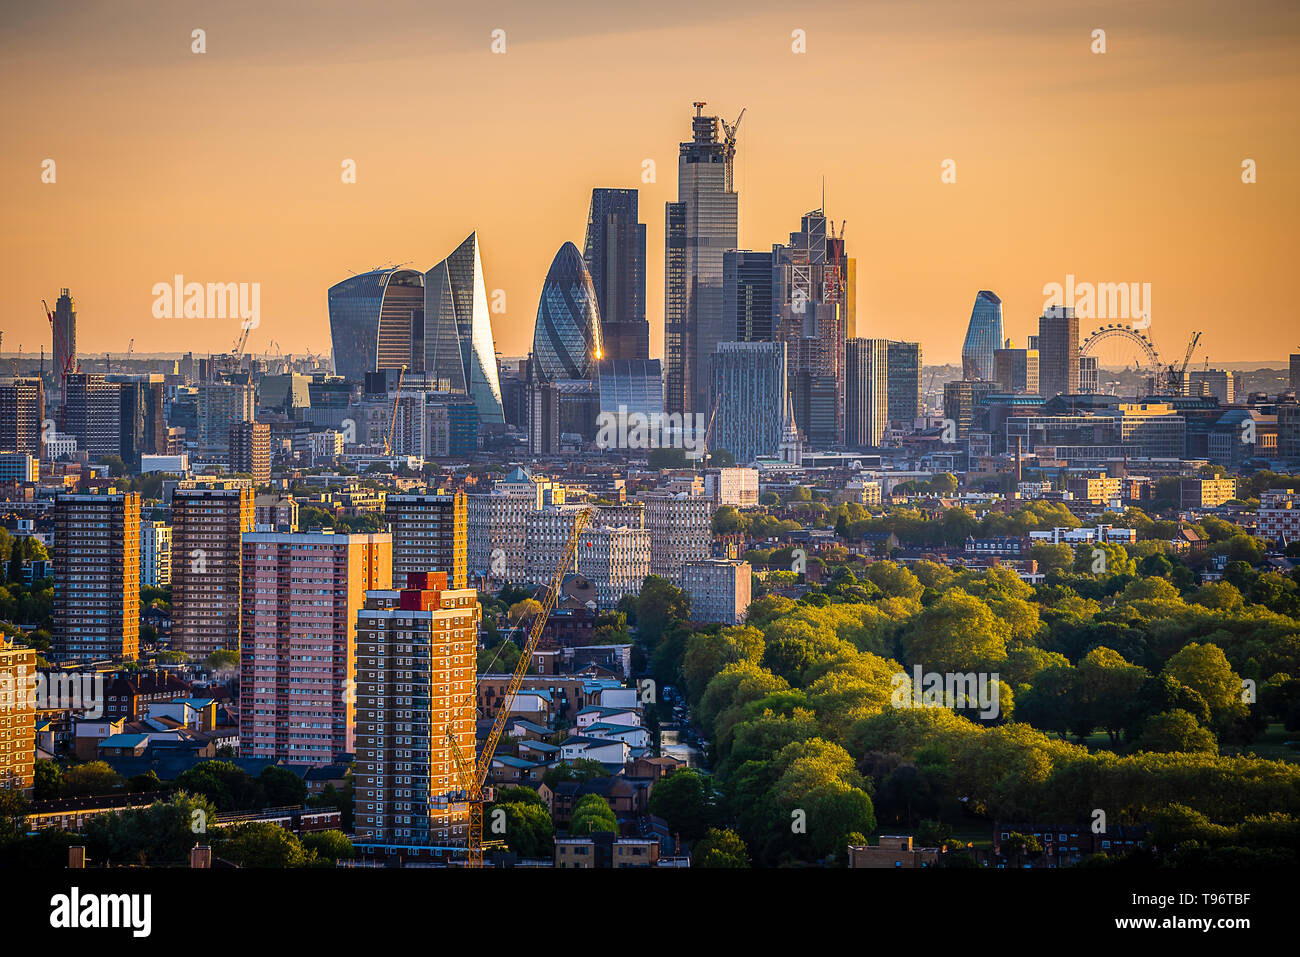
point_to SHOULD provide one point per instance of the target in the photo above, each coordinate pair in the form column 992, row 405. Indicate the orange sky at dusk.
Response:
column 225, row 167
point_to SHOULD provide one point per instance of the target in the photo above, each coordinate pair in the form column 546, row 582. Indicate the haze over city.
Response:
column 225, row 167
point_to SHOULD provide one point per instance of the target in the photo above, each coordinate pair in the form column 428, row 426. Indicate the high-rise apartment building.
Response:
column 983, row 337
column 97, row 576
column 17, row 718
column 155, row 554
column 1058, row 352
column 250, row 450
column 92, row 413
column 141, row 420
column 430, row 534
column 700, row 227
column 22, row 410
column 961, row 400
column 615, row 255
column 1016, row 370
column 547, row 531
column 416, row 677
column 297, row 663
column 497, row 525
column 681, row 530
column 208, row 520
column 719, row 590
column 749, row 387
column 905, row 403
column 221, row 405
column 866, row 396
column 616, row 559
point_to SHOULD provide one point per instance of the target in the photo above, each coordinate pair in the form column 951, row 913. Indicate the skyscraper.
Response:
column 983, row 336
column 614, row 252
column 22, row 410
column 299, row 602
column 220, row 405
column 375, row 318
column 456, row 346
column 700, row 227
column 1058, row 352
column 905, row 406
column 566, row 336
column 97, row 576
column 810, row 300
column 1016, row 370
column 250, row 450
column 208, row 520
column 416, row 678
column 65, row 334
column 92, row 413
column 748, row 387
column 141, row 420
column 746, row 296
column 866, row 397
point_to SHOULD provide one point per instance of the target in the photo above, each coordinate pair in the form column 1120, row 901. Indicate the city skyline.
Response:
column 148, row 197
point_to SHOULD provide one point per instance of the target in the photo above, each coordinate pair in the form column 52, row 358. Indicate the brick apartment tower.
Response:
column 301, row 595
column 250, row 450
column 17, row 718
column 97, row 576
column 416, row 678
column 207, row 522
column 430, row 534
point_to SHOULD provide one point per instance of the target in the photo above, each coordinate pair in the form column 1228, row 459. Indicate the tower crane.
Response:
column 729, row 132
column 473, row 776
column 392, row 418
column 1175, row 383
column 60, row 348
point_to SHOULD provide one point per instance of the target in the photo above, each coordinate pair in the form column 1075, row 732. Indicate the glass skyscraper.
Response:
column 435, row 322
column 700, row 227
column 615, row 255
column 566, row 338
column 457, row 345
column 747, row 295
column 373, row 317
column 866, row 393
column 810, row 293
column 748, row 384
column 983, row 337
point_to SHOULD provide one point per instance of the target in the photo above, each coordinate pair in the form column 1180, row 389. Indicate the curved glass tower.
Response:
column 566, row 338
column 375, row 319
column 983, row 336
column 457, row 343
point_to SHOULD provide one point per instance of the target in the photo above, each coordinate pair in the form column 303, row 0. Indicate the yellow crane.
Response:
column 392, row 418
column 472, row 777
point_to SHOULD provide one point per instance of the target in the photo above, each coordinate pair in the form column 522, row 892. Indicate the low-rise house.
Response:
column 894, row 850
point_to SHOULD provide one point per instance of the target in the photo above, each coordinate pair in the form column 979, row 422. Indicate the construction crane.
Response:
column 130, row 348
column 392, row 418
column 704, row 445
column 729, row 147
column 1176, row 373
column 60, row 347
column 473, row 777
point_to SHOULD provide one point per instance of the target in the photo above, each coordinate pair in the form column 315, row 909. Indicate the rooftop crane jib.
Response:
column 473, row 778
